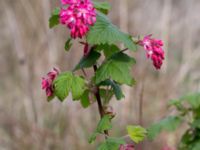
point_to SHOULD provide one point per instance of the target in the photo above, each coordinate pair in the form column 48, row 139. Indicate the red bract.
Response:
column 127, row 147
column 78, row 16
column 47, row 82
column 154, row 50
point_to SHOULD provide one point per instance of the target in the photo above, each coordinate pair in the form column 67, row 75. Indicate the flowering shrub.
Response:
column 87, row 21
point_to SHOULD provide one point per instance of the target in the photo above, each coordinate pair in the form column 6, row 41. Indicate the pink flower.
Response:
column 127, row 147
column 78, row 16
column 154, row 50
column 47, row 82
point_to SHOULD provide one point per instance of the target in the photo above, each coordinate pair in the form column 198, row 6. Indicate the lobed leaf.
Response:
column 67, row 82
column 136, row 133
column 116, row 68
column 104, row 124
column 104, row 32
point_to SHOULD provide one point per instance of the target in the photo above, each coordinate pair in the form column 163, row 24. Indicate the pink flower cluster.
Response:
column 47, row 82
column 127, row 147
column 78, row 16
column 154, row 50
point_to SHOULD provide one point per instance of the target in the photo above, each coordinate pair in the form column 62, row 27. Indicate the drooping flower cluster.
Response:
column 47, row 82
column 154, row 50
column 127, row 147
column 78, row 16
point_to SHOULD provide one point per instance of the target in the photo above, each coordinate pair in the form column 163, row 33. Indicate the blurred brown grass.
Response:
column 28, row 49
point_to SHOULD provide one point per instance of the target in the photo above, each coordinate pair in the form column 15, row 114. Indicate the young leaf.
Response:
column 170, row 124
column 50, row 98
column 85, row 99
column 106, row 95
column 116, row 68
column 104, row 124
column 54, row 19
column 103, row 7
column 56, row 11
column 116, row 88
column 111, row 144
column 136, row 133
column 88, row 61
column 67, row 82
column 93, row 137
column 104, row 32
column 68, row 44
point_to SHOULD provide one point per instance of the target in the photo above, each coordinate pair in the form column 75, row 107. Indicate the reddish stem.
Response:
column 100, row 106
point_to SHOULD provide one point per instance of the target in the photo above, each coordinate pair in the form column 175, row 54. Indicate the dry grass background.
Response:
column 28, row 49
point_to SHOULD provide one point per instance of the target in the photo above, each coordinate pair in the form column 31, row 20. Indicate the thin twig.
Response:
column 124, row 50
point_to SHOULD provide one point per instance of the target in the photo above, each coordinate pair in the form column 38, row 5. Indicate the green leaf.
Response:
column 77, row 87
column 192, row 99
column 54, row 19
column 67, row 82
column 104, row 124
column 85, row 99
column 62, row 85
column 169, row 124
column 108, row 50
column 56, row 11
column 196, row 145
column 116, row 88
column 88, row 61
column 50, row 98
column 116, row 68
column 111, row 144
column 68, row 44
column 104, row 32
column 103, row 7
column 93, row 137
column 106, row 95
column 136, row 133
column 196, row 123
